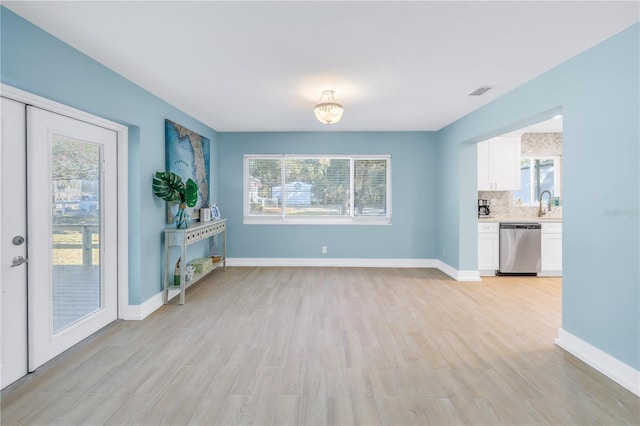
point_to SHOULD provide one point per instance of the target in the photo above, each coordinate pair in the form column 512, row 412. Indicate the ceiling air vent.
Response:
column 480, row 91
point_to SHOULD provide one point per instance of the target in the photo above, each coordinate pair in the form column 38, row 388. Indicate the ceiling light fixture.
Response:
column 327, row 110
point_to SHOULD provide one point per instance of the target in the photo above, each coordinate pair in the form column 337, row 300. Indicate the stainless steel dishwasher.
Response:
column 520, row 248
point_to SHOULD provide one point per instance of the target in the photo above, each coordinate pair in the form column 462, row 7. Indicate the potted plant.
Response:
column 170, row 187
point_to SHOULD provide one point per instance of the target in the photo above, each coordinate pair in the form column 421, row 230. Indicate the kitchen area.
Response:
column 520, row 202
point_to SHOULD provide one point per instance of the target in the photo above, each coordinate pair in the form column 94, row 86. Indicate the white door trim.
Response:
column 123, row 178
column 13, row 222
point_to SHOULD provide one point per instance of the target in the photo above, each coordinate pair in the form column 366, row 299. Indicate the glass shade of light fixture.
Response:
column 328, row 110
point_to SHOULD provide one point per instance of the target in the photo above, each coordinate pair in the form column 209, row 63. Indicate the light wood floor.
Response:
column 330, row 346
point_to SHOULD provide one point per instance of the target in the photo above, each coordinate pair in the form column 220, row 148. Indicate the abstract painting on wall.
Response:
column 188, row 156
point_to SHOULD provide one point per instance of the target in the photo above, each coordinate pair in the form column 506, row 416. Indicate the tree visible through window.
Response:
column 537, row 174
column 314, row 186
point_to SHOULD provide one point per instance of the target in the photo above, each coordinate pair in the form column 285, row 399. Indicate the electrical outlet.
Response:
column 324, row 249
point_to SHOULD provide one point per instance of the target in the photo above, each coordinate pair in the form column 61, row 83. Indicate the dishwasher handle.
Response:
column 520, row 226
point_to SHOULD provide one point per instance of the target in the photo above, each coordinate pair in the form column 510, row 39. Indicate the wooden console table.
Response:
column 184, row 237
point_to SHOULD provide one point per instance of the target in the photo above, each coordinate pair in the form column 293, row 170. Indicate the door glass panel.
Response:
column 76, row 220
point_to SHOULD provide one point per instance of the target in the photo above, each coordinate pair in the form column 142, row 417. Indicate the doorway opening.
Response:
column 520, row 181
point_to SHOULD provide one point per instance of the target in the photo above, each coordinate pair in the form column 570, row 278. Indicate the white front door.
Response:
column 13, row 232
column 72, row 222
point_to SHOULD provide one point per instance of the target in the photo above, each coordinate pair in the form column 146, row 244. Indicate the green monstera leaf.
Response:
column 170, row 187
column 190, row 193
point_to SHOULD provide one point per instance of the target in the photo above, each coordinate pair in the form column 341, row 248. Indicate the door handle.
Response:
column 18, row 260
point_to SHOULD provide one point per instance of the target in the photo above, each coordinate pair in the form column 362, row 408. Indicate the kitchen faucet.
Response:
column 540, row 211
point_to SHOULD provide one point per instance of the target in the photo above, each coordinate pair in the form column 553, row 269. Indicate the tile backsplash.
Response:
column 541, row 144
column 501, row 202
column 501, row 205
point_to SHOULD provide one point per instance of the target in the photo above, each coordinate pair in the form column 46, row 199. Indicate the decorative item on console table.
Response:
column 202, row 265
column 205, row 214
column 170, row 187
column 215, row 212
column 215, row 252
column 188, row 273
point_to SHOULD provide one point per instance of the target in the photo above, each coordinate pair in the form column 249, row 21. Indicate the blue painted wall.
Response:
column 35, row 61
column 414, row 183
column 598, row 92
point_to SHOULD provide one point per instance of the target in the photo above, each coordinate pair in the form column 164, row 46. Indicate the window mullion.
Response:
column 388, row 187
column 557, row 173
column 246, row 202
column 532, row 181
column 283, row 185
column 352, row 185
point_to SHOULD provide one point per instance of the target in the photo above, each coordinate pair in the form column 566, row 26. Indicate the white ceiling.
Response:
column 261, row 66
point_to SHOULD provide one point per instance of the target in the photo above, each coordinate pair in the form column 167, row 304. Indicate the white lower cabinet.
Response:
column 488, row 248
column 551, row 261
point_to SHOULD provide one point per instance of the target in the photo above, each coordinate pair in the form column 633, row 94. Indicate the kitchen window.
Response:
column 312, row 189
column 537, row 174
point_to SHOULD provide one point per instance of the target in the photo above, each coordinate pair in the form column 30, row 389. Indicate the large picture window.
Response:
column 317, row 189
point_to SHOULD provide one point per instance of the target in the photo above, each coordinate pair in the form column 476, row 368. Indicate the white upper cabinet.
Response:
column 499, row 164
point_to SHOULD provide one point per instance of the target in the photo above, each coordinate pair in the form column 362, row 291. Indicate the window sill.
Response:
column 315, row 220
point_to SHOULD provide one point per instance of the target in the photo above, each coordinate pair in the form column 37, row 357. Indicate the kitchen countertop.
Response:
column 520, row 219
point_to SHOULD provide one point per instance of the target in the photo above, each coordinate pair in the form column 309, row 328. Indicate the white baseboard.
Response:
column 456, row 274
column 358, row 263
column 332, row 262
column 140, row 312
column 611, row 367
